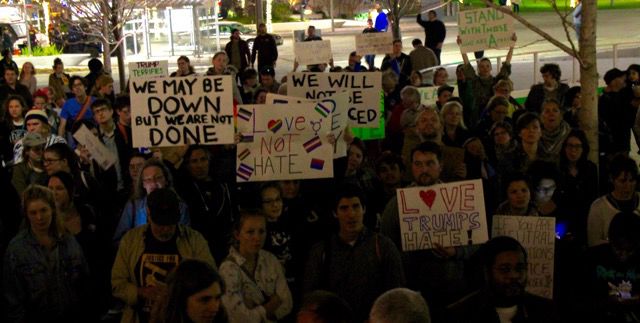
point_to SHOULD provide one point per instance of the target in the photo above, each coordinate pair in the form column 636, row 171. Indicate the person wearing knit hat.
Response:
column 36, row 121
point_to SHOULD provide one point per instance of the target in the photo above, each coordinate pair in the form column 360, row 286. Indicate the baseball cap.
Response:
column 445, row 87
column 33, row 139
column 164, row 206
column 36, row 114
column 613, row 74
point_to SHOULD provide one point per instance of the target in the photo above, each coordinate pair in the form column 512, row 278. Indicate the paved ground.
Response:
column 614, row 27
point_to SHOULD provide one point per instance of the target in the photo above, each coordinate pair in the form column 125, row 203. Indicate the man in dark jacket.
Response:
column 434, row 32
column 265, row 47
column 238, row 51
column 11, row 86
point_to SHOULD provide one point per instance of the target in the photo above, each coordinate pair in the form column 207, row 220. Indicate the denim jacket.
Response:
column 38, row 290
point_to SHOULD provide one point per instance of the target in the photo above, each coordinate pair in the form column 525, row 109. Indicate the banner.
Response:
column 363, row 90
column 148, row 69
column 450, row 214
column 282, row 142
column 313, row 52
column 99, row 152
column 338, row 104
column 182, row 111
column 429, row 94
column 486, row 28
column 374, row 43
column 537, row 235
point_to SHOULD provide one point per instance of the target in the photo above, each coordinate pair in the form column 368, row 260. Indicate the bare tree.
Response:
column 585, row 54
column 103, row 20
column 398, row 9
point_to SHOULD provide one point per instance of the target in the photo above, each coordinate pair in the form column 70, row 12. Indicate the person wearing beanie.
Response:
column 36, row 121
column 31, row 169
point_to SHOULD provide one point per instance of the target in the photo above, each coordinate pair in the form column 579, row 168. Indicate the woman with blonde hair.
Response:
column 28, row 77
column 455, row 132
column 103, row 89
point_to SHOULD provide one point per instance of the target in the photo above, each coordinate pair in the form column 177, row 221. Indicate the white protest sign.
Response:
column 282, row 142
column 429, row 94
column 182, row 111
column 148, row 69
column 537, row 235
column 374, row 43
column 99, row 152
column 313, row 52
column 363, row 90
column 338, row 104
column 450, row 214
column 486, row 28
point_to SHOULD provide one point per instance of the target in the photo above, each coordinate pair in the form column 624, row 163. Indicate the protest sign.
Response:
column 99, row 152
column 429, row 94
column 282, row 142
column 313, row 52
column 148, row 69
column 176, row 111
column 450, row 214
column 338, row 104
column 374, row 43
column 486, row 28
column 537, row 236
column 363, row 90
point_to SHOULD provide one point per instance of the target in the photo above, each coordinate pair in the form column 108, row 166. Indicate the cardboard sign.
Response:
column 363, row 89
column 182, row 111
column 374, row 43
column 449, row 214
column 537, row 235
column 429, row 94
column 338, row 103
column 486, row 28
column 148, row 69
column 282, row 142
column 99, row 152
column 313, row 52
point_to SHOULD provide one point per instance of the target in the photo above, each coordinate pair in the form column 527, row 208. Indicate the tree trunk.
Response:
column 395, row 27
column 106, row 45
column 122, row 49
column 588, row 115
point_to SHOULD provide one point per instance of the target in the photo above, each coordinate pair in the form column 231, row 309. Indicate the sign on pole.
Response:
column 148, row 69
column 486, row 28
column 313, row 52
column 363, row 89
column 537, row 235
column 450, row 214
column 182, row 111
column 374, row 43
column 283, row 142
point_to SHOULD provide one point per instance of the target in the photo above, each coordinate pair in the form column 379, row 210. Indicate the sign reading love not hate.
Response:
column 283, row 142
column 450, row 214
column 363, row 89
column 175, row 111
column 337, row 104
column 486, row 28
column 537, row 236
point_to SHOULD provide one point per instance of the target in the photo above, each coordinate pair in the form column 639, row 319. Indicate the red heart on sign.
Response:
column 428, row 197
column 274, row 125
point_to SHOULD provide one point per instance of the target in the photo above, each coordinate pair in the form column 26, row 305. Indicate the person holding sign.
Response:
column 220, row 62
column 502, row 297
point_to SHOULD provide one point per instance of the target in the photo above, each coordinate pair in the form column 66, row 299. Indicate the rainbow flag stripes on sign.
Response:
column 312, row 144
column 244, row 154
column 244, row 114
column 324, row 111
column 245, row 172
column 317, row 164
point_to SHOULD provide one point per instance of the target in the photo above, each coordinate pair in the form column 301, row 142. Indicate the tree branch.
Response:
column 565, row 25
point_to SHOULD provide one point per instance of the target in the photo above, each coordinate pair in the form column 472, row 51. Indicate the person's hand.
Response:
column 295, row 65
column 237, row 138
column 442, row 252
column 459, row 40
column 83, row 154
column 272, row 305
column 331, row 139
column 547, row 208
column 331, row 62
column 461, row 171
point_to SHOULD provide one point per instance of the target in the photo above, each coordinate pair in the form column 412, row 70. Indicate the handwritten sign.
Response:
column 363, row 90
column 182, row 111
column 537, row 236
column 338, row 103
column 429, row 94
column 449, row 214
column 313, row 52
column 374, row 43
column 281, row 142
column 148, row 69
column 99, row 152
column 486, row 28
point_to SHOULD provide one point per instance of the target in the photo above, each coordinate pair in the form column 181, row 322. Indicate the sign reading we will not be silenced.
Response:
column 537, row 235
column 149, row 69
column 282, row 142
column 486, row 28
column 338, row 106
column 450, row 214
column 182, row 111
column 363, row 90
column 374, row 43
column 313, row 52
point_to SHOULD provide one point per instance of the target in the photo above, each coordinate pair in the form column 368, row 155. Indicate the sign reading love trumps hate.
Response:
column 282, row 142
column 451, row 214
column 537, row 235
column 363, row 90
column 182, row 111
